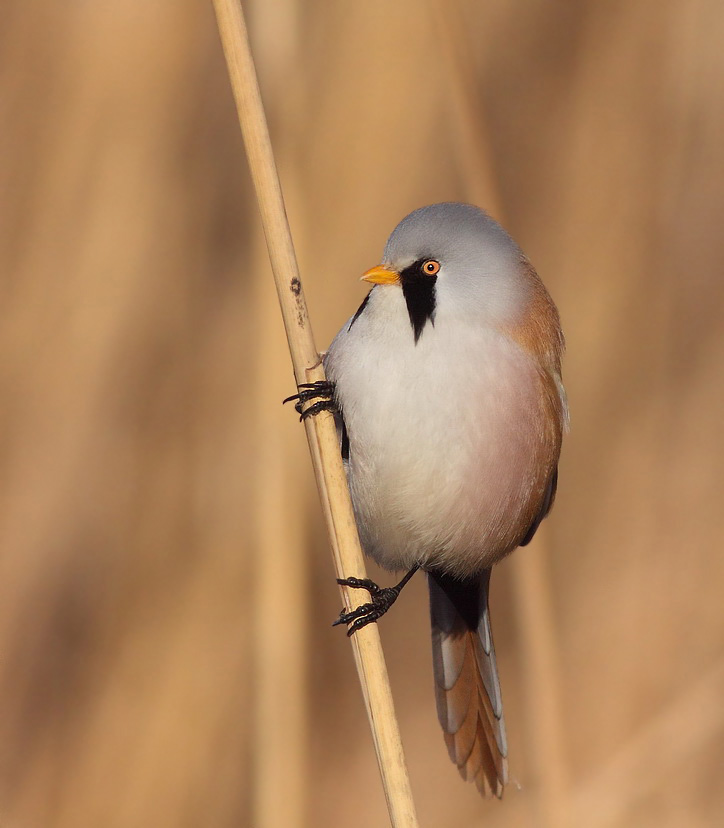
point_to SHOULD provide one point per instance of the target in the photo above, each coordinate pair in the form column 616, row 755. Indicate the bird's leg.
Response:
column 382, row 599
column 322, row 391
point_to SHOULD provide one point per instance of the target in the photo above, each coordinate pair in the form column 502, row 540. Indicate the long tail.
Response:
column 467, row 689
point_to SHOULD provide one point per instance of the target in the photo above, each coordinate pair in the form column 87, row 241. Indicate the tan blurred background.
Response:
column 166, row 591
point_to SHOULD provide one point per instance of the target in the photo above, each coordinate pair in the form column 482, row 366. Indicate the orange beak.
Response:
column 381, row 275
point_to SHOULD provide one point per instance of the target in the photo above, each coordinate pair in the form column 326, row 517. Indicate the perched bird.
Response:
column 447, row 387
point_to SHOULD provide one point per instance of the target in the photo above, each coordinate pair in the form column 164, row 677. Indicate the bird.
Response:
column 446, row 386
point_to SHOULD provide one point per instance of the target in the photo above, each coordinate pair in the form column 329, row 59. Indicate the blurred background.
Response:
column 166, row 588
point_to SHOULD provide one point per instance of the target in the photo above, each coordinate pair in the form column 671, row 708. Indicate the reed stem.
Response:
column 321, row 431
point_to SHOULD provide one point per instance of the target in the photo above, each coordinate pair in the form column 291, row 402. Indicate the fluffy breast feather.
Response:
column 453, row 440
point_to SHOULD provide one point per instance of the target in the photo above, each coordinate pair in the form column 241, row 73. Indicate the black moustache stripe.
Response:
column 418, row 288
column 360, row 309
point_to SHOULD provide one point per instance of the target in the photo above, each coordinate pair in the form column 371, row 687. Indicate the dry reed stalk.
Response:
column 530, row 578
column 321, row 432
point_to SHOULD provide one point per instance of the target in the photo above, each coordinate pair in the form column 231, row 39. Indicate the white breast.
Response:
column 444, row 436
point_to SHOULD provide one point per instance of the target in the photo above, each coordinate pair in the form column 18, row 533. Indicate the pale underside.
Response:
column 451, row 448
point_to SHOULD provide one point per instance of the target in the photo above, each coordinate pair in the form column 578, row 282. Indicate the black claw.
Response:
column 352, row 615
column 315, row 408
column 310, row 390
column 382, row 599
column 362, row 622
column 360, row 583
column 322, row 390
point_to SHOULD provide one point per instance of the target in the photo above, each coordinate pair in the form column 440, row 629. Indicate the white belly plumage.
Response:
column 444, row 452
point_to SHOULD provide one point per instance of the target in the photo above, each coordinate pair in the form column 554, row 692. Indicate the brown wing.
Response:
column 467, row 689
column 539, row 333
column 550, row 496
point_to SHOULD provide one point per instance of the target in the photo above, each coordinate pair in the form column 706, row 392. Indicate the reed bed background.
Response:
column 157, row 502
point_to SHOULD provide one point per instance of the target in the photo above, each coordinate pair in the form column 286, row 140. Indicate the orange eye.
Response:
column 430, row 267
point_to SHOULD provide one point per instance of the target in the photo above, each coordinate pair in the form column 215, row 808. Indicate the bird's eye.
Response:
column 430, row 267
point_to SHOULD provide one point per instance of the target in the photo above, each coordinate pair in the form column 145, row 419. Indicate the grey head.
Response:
column 479, row 272
column 456, row 232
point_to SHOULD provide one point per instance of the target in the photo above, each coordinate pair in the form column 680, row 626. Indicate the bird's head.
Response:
column 453, row 260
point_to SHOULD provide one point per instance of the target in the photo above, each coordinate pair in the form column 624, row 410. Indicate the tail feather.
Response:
column 467, row 689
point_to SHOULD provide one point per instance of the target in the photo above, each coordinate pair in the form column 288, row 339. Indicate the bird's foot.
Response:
column 382, row 599
column 322, row 391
